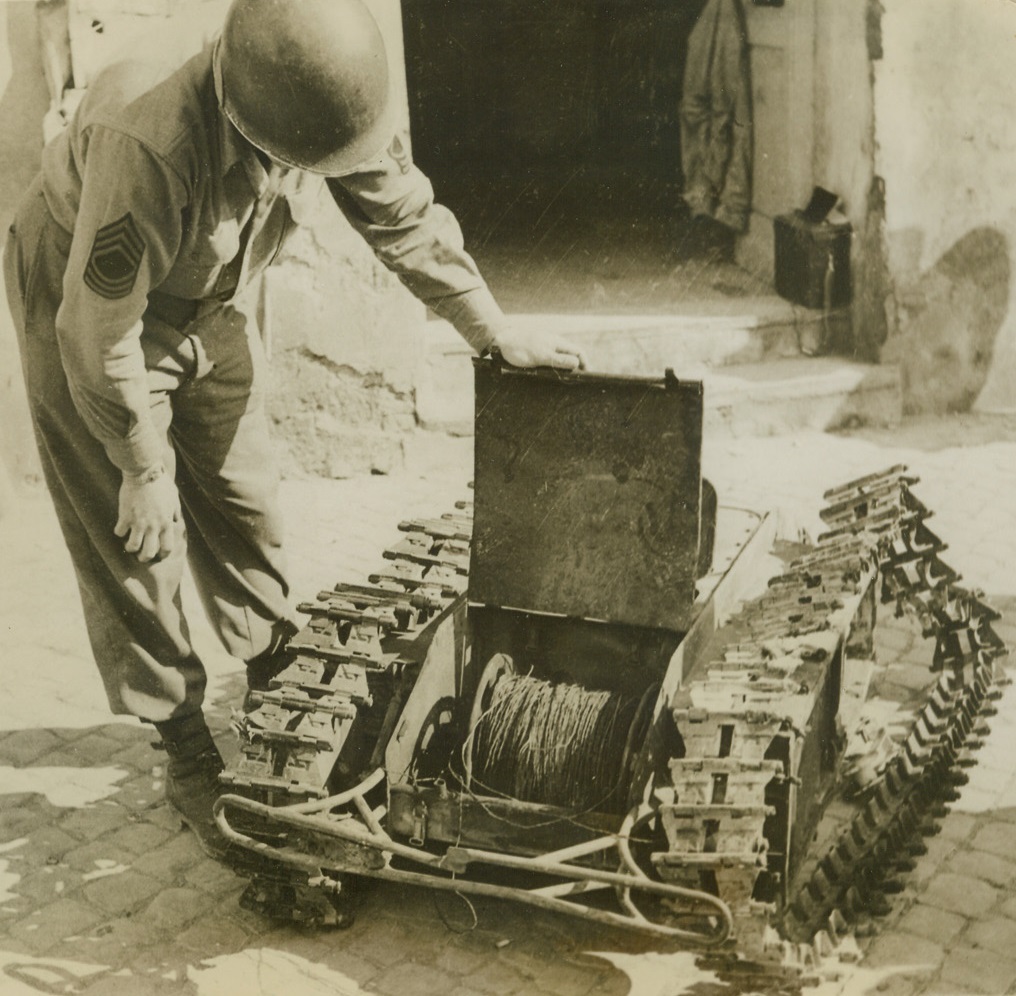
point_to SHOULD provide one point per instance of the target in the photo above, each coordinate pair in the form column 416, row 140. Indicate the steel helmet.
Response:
column 306, row 81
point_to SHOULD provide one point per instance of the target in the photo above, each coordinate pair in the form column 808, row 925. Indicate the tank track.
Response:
column 344, row 676
column 720, row 812
column 350, row 671
column 864, row 866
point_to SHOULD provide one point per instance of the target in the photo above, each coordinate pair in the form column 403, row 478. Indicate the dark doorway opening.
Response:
column 575, row 100
column 552, row 130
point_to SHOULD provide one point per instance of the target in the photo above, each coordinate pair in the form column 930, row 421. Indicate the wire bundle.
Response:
column 559, row 745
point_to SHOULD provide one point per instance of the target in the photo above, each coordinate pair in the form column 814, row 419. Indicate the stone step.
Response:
column 819, row 393
column 757, row 380
column 715, row 332
column 710, row 332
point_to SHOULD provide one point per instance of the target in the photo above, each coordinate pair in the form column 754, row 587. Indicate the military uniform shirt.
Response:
column 164, row 199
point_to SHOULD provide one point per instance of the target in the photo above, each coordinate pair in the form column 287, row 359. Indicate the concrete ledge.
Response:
column 749, row 352
column 809, row 393
column 759, row 396
column 711, row 332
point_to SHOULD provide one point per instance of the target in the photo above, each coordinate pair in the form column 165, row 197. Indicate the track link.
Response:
column 721, row 814
column 716, row 813
column 341, row 685
column 860, row 872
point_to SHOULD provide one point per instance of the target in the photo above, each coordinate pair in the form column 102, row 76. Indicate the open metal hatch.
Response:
column 588, row 495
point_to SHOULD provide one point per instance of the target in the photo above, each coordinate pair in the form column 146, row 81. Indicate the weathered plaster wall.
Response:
column 346, row 336
column 346, row 343
column 842, row 155
column 844, row 158
column 814, row 126
column 910, row 121
column 945, row 91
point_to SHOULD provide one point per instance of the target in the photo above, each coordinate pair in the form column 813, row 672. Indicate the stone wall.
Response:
column 347, row 338
column 346, row 342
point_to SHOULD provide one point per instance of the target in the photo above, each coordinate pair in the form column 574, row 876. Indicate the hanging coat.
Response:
column 716, row 119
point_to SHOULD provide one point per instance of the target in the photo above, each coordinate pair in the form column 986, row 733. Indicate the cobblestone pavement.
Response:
column 102, row 893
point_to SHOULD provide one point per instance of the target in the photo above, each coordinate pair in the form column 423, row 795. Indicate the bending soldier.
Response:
column 126, row 269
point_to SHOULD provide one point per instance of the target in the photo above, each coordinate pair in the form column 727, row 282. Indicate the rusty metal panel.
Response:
column 588, row 494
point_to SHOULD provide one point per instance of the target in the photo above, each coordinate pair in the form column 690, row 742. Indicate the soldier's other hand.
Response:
column 533, row 348
column 148, row 516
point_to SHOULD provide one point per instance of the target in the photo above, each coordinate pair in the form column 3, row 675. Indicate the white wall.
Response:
column 945, row 99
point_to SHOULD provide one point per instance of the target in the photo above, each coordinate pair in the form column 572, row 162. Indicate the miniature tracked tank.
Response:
column 637, row 709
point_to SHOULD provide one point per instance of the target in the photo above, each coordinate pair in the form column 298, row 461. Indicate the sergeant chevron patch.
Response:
column 115, row 258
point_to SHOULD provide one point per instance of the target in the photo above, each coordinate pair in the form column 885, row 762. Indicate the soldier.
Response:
column 168, row 194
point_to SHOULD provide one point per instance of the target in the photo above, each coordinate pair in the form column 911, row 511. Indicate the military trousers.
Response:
column 207, row 382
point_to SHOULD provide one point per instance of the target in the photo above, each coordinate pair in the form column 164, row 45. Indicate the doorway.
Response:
column 552, row 131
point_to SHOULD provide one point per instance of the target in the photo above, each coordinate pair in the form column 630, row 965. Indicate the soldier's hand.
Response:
column 148, row 516
column 532, row 348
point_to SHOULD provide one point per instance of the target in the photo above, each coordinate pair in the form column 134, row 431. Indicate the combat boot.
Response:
column 192, row 778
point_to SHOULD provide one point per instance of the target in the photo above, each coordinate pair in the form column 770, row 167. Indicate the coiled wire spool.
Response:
column 555, row 744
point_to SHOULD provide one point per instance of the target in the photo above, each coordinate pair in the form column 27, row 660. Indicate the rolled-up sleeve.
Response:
column 391, row 204
column 126, row 236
